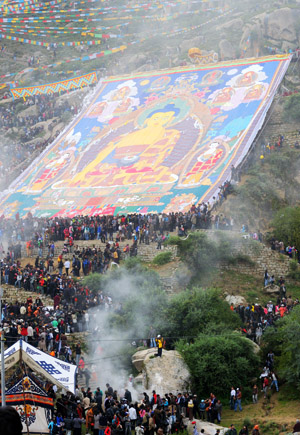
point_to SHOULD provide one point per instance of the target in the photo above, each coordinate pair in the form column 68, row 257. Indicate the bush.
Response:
column 199, row 311
column 292, row 108
column 293, row 265
column 163, row 258
column 242, row 259
column 19, row 107
column 247, row 422
column 66, row 117
column 217, row 362
column 294, row 270
column 93, row 282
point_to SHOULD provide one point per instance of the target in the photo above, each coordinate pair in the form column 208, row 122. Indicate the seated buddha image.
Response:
column 135, row 157
column 212, row 78
column 120, row 94
column 247, row 79
column 203, row 163
column 255, row 92
column 97, row 109
column 223, row 96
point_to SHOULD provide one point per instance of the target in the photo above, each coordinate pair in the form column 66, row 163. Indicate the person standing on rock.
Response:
column 159, row 344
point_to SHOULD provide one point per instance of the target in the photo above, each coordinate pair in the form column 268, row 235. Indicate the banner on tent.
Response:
column 32, row 403
column 56, row 371
column 51, row 88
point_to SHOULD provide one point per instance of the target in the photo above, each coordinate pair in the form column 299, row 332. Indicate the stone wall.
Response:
column 276, row 125
column 13, row 294
column 261, row 255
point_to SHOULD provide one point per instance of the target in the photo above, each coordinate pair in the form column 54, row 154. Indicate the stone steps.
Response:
column 146, row 252
column 13, row 294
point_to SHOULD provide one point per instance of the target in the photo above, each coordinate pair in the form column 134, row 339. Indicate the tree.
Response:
column 200, row 253
column 218, row 362
column 285, row 167
column 284, row 340
column 198, row 311
column 292, row 108
column 286, row 226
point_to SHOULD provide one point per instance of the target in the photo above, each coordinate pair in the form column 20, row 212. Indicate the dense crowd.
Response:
column 110, row 228
column 27, row 124
column 256, row 318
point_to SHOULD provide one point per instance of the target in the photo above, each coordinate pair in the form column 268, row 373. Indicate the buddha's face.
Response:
column 160, row 119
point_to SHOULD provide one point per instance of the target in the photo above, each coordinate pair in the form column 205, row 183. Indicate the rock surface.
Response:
column 280, row 25
column 235, row 299
column 209, row 428
column 166, row 374
column 227, row 51
column 272, row 289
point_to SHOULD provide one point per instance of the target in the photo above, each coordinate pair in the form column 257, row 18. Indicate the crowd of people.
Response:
column 256, row 318
column 15, row 118
column 118, row 228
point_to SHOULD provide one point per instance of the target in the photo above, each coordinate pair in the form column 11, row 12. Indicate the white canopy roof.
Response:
column 56, row 371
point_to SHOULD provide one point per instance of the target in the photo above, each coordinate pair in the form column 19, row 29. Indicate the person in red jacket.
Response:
column 108, row 429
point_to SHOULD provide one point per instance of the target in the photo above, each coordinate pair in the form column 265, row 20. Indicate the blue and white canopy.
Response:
column 56, row 371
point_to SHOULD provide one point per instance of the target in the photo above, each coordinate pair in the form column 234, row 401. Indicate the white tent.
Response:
column 56, row 371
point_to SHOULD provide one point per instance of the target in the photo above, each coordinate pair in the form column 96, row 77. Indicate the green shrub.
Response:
column 19, row 107
column 247, row 422
column 293, row 265
column 216, row 362
column 66, row 117
column 163, row 258
column 242, row 259
column 294, row 270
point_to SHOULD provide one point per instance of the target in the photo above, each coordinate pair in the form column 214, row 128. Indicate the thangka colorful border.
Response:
column 51, row 88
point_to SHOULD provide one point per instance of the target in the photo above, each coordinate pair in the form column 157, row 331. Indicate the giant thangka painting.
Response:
column 155, row 142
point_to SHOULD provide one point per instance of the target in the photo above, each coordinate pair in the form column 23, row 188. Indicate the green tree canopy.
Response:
column 284, row 340
column 292, row 108
column 198, row 311
column 218, row 362
column 286, row 225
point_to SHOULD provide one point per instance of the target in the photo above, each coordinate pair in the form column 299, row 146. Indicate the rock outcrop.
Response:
column 166, row 374
column 280, row 25
column 209, row 428
column 227, row 51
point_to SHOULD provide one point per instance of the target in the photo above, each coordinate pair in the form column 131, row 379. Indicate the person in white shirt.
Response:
column 232, row 397
column 133, row 416
column 29, row 333
column 67, row 267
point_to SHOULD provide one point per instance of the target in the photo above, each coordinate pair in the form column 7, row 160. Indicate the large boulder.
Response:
column 227, row 51
column 235, row 299
column 272, row 289
column 166, row 374
column 234, row 25
column 186, row 44
column 209, row 428
column 281, row 25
